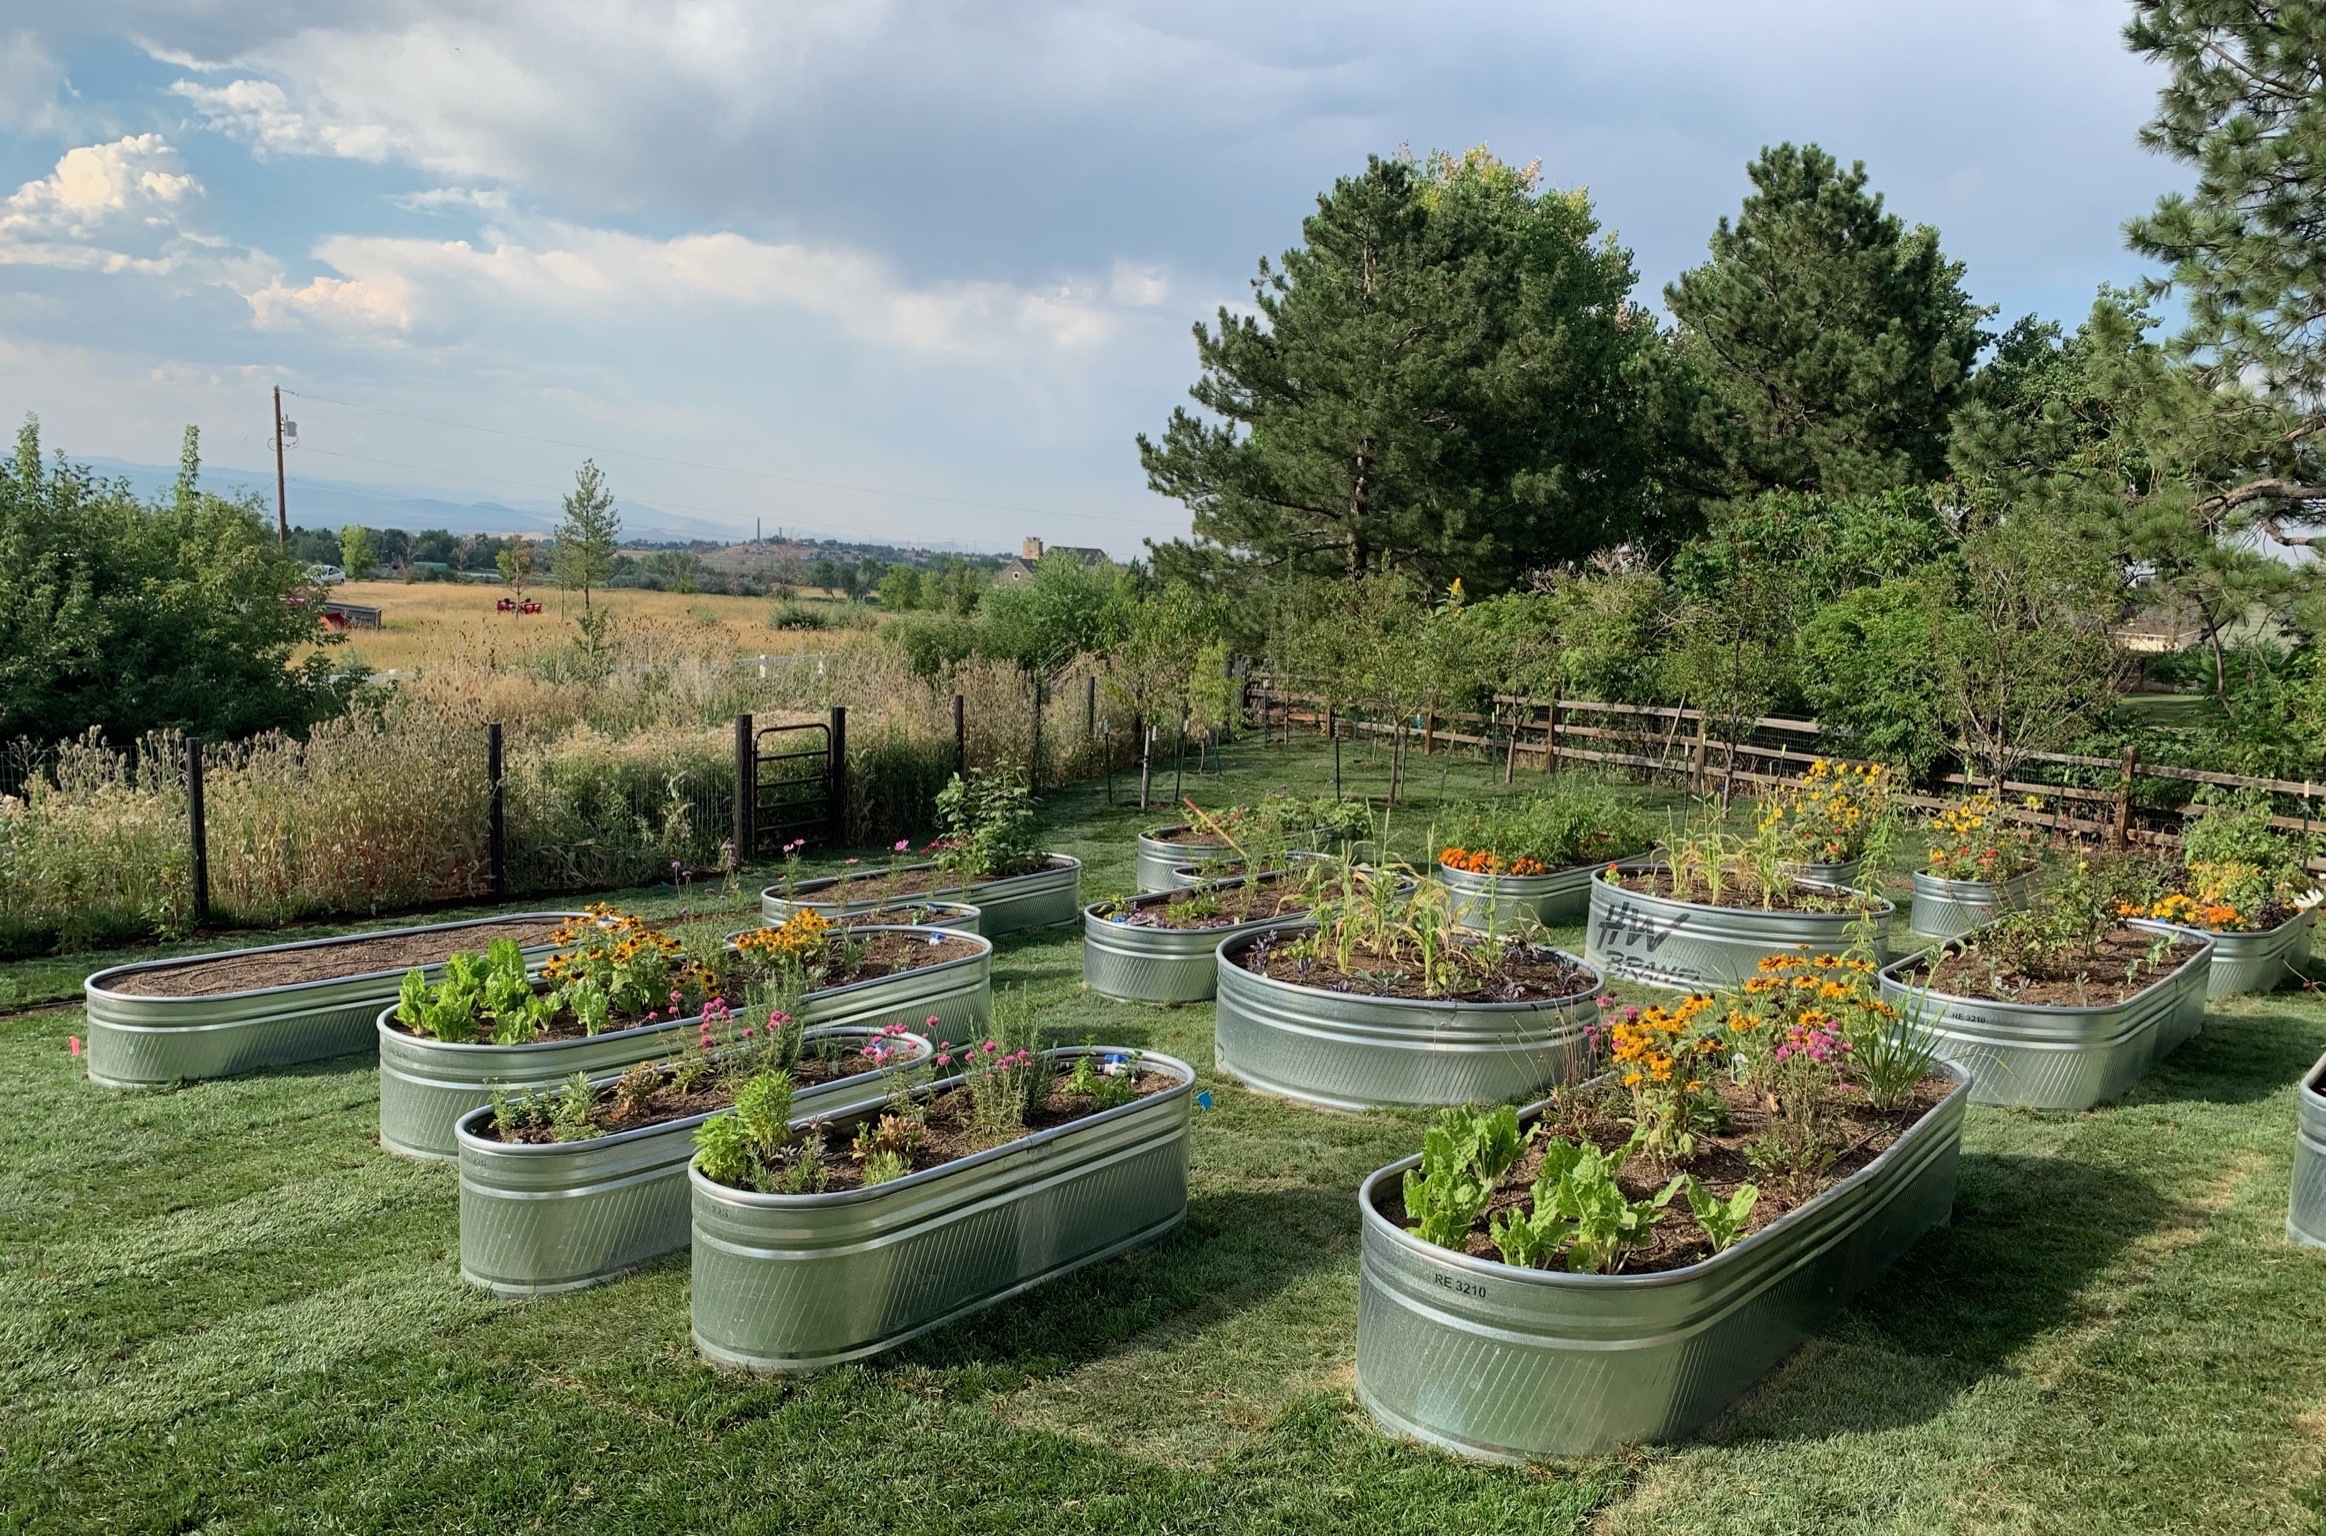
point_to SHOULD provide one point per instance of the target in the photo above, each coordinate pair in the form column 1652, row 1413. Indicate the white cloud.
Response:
column 600, row 275
column 35, row 97
column 484, row 199
column 258, row 112
column 127, row 206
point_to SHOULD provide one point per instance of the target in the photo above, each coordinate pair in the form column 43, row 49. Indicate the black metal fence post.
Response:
column 960, row 736
column 836, row 778
column 1090, row 706
column 746, row 792
column 197, row 831
column 496, row 835
column 1034, row 763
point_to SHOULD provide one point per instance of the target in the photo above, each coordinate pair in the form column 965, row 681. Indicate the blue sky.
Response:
column 942, row 259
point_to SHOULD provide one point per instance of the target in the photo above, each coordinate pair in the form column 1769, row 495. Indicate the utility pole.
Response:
column 282, row 504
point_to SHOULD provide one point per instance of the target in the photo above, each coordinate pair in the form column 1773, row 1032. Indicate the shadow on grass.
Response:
column 2238, row 1058
column 2030, row 1234
column 1234, row 1250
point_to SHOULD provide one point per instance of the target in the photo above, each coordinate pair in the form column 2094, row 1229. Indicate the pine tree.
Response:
column 2247, row 248
column 1832, row 342
column 1438, row 378
column 584, row 557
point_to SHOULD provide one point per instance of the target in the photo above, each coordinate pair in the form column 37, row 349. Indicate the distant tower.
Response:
column 1030, row 550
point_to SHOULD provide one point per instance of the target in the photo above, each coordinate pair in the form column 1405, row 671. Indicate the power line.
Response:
column 725, row 469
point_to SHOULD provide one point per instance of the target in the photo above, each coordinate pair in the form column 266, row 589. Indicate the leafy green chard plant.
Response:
column 1579, row 1205
column 489, row 994
column 1463, row 1156
column 1723, row 1221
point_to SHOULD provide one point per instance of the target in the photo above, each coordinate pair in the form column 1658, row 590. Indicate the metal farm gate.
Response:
column 789, row 783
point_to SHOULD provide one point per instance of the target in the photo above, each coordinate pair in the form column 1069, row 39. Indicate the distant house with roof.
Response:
column 1030, row 553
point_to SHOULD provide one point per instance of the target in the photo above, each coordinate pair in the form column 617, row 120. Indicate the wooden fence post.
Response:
column 1551, row 737
column 836, row 779
column 2123, row 830
column 1090, row 706
column 1696, row 765
column 960, row 737
column 197, row 831
column 746, row 791
column 496, row 839
column 1429, row 732
column 1034, row 757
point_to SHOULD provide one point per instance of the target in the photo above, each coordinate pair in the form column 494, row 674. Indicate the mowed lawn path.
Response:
column 224, row 1309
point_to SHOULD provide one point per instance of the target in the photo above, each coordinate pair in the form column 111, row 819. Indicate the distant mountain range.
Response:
column 334, row 503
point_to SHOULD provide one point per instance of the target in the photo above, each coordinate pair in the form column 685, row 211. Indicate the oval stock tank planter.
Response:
column 797, row 1283
column 1948, row 909
column 537, row 1218
column 952, row 916
column 1158, row 857
column 1493, row 903
column 1688, row 947
column 143, row 1040
column 1342, row 1050
column 2046, row 1056
column 1042, row 899
column 1506, row 1364
column 1845, row 872
column 2306, row 1210
column 1136, row 964
column 426, row 1086
column 2258, row 962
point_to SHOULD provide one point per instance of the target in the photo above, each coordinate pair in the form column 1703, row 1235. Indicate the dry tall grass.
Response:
column 618, row 765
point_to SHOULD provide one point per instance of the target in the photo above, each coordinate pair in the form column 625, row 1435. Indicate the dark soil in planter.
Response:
column 885, row 954
column 1799, row 898
column 1187, row 837
column 1186, row 911
column 947, row 1134
column 357, row 956
column 1722, row 1163
column 2121, row 969
column 880, row 885
column 668, row 1103
column 1521, row 973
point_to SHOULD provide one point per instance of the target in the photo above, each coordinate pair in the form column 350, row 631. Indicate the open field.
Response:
column 223, row 1308
column 422, row 622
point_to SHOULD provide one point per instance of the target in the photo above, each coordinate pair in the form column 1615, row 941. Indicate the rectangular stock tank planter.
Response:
column 2044, row 1056
column 1948, row 909
column 144, row 1040
column 426, row 1086
column 1686, row 946
column 1494, row 903
column 1341, row 1050
column 1507, row 1364
column 2258, row 962
column 557, row 1216
column 2306, row 1210
column 1043, row 899
column 795, row 1283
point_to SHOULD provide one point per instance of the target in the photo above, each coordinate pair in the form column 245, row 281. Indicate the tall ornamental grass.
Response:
column 94, row 851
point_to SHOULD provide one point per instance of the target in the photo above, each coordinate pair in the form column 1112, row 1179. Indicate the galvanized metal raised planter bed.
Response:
column 2306, row 1210
column 1498, row 903
column 1948, row 909
column 426, row 1086
column 2258, row 962
column 1506, row 1364
column 953, row 916
column 1687, row 947
column 1043, row 899
column 2039, row 1056
column 1157, row 857
column 797, row 1283
column 145, row 1041
column 1845, row 872
column 537, row 1219
column 1157, row 965
column 1342, row 1050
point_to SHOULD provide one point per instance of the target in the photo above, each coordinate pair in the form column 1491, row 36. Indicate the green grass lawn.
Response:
column 223, row 1308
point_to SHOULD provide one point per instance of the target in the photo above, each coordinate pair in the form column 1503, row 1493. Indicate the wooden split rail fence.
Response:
column 2094, row 798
